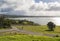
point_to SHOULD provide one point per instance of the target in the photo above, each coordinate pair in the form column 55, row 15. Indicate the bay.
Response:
column 41, row 20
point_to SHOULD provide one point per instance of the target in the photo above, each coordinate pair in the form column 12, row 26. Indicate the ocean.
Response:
column 41, row 20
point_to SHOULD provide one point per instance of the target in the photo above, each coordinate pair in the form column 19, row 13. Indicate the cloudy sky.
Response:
column 30, row 7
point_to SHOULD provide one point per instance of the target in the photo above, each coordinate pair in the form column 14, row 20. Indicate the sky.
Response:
column 30, row 7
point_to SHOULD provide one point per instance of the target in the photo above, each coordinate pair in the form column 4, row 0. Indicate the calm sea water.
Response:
column 41, row 20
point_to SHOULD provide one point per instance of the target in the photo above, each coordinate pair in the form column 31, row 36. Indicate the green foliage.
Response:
column 40, row 29
column 26, row 22
column 21, row 22
column 4, row 23
column 28, row 38
column 51, row 26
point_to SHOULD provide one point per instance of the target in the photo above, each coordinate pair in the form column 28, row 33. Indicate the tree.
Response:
column 51, row 26
column 1, row 21
column 4, row 23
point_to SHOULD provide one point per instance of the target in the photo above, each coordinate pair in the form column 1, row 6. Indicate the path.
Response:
column 26, row 32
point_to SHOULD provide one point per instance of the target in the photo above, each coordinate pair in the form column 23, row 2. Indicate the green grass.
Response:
column 16, row 36
column 40, row 29
column 28, row 38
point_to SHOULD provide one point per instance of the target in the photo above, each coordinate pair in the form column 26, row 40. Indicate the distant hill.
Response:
column 26, row 22
column 23, row 22
column 16, row 16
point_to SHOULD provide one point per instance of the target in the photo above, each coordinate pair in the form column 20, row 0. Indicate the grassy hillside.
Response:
column 28, row 38
column 40, row 29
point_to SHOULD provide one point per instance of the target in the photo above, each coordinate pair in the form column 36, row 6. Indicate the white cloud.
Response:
column 55, row 6
column 29, row 7
column 24, row 4
column 32, row 8
column 47, row 9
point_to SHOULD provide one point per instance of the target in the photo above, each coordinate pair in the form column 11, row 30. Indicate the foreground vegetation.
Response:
column 28, row 38
column 6, row 22
column 28, row 26
column 40, row 29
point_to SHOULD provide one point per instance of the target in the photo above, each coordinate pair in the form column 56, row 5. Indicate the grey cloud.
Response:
column 10, row 9
column 47, row 1
column 2, row 2
column 5, row 10
column 34, row 8
column 53, row 9
column 20, row 12
column 50, row 8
